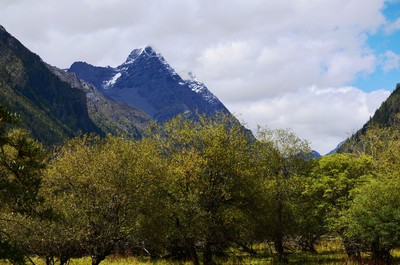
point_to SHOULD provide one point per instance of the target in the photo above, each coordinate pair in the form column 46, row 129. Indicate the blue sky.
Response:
column 382, row 41
column 318, row 67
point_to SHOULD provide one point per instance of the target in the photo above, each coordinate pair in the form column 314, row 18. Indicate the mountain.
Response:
column 385, row 115
column 337, row 148
column 146, row 81
column 110, row 116
column 315, row 154
column 49, row 107
column 54, row 105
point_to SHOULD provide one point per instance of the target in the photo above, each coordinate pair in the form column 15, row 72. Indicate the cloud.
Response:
column 253, row 69
column 324, row 116
column 392, row 26
column 190, row 26
column 391, row 61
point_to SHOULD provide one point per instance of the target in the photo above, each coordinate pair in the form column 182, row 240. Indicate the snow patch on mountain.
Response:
column 110, row 83
column 198, row 87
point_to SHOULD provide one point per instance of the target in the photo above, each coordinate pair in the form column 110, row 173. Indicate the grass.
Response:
column 329, row 252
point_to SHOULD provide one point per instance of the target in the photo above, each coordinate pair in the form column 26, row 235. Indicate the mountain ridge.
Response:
column 145, row 80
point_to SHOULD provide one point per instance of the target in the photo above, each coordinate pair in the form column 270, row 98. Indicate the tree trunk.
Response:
column 352, row 249
column 278, row 243
column 192, row 252
column 96, row 259
column 63, row 260
column 307, row 245
column 380, row 255
column 207, row 254
column 49, row 260
column 280, row 250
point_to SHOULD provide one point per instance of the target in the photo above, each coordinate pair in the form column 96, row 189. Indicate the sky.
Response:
column 317, row 67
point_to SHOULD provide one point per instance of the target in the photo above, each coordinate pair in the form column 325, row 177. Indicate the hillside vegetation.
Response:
column 198, row 191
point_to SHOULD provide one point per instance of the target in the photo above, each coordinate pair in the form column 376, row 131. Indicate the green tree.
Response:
column 98, row 188
column 210, row 190
column 283, row 161
column 330, row 187
column 385, row 143
column 49, row 238
column 374, row 217
column 22, row 160
column 381, row 142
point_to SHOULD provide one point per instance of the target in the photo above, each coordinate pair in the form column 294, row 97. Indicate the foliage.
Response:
column 374, row 216
column 21, row 165
column 333, row 179
column 97, row 188
column 386, row 114
column 211, row 194
column 330, row 190
column 282, row 161
column 371, row 216
column 195, row 188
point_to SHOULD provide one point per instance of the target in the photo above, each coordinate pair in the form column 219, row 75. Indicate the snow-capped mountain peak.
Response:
column 146, row 53
column 146, row 81
column 151, row 52
column 133, row 55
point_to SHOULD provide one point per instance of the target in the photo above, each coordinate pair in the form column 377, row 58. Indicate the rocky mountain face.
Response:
column 110, row 116
column 146, row 81
column 54, row 105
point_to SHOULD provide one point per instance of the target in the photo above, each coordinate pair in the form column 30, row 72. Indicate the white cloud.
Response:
column 253, row 69
column 391, row 61
column 392, row 26
column 190, row 26
column 324, row 116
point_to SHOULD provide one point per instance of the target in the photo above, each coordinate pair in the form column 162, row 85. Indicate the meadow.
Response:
column 329, row 252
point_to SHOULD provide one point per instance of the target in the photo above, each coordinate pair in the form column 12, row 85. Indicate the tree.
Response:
column 379, row 142
column 99, row 187
column 330, row 187
column 282, row 159
column 21, row 164
column 210, row 191
column 49, row 238
column 22, row 160
column 374, row 217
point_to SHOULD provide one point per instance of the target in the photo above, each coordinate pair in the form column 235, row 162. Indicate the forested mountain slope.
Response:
column 53, row 105
column 385, row 116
